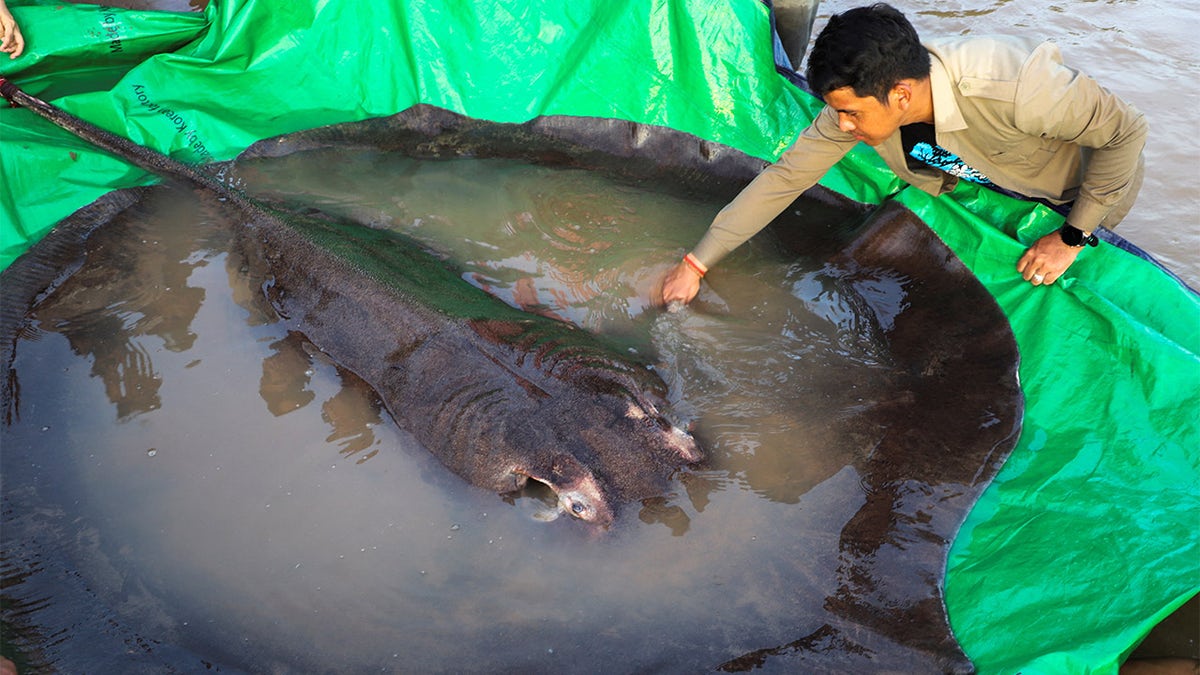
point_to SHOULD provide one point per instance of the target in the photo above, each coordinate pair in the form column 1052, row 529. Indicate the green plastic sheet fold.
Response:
column 1084, row 541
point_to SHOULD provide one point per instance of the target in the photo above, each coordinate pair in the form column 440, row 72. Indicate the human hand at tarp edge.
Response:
column 1046, row 261
column 682, row 282
column 11, row 40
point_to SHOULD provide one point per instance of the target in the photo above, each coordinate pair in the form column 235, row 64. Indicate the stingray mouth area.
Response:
column 580, row 498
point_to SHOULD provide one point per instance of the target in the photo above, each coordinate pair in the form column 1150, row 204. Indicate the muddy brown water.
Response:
column 193, row 480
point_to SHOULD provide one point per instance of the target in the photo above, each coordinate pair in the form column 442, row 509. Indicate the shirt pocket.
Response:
column 996, row 90
column 1026, row 153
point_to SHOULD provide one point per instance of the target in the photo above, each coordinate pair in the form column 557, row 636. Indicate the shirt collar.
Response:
column 946, row 115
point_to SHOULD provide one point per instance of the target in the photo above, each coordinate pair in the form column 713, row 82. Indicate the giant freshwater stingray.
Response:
column 498, row 395
column 937, row 442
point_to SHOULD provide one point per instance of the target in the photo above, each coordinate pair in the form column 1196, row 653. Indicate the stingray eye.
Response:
column 577, row 508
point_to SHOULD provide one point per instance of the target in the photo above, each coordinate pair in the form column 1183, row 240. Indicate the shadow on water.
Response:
column 188, row 483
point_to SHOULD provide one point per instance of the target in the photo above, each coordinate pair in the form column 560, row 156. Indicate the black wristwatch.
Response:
column 1074, row 237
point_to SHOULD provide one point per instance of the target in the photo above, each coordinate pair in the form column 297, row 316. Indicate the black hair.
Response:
column 869, row 49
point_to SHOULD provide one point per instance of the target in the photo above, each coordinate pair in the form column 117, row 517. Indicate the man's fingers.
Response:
column 1046, row 260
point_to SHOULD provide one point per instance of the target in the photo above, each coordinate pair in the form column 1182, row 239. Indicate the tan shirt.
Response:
column 1008, row 107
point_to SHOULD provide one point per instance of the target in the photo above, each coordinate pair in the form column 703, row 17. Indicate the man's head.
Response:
column 869, row 66
column 868, row 49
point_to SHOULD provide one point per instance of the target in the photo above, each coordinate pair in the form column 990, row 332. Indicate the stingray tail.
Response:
column 145, row 158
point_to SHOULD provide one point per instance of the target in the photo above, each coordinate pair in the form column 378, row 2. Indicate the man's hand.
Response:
column 11, row 40
column 681, row 284
column 1046, row 260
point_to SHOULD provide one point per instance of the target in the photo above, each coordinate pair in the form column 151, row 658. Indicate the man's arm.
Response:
column 1055, row 101
column 817, row 149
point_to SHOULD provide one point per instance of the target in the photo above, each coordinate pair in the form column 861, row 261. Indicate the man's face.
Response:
column 868, row 119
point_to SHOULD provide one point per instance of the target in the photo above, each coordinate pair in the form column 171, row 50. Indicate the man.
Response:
column 1004, row 112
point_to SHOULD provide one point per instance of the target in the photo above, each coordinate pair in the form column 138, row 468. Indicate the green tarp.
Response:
column 1085, row 540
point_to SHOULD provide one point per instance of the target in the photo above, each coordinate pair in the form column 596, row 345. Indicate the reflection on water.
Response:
column 217, row 487
column 109, row 312
column 352, row 413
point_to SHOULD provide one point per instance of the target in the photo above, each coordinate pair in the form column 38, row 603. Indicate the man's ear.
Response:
column 902, row 94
